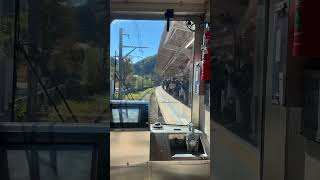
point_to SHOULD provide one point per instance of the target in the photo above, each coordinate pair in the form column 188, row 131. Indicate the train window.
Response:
column 18, row 165
column 73, row 165
column 6, row 58
column 128, row 115
column 237, row 67
column 54, row 151
column 156, row 67
column 310, row 122
column 53, row 90
column 59, row 73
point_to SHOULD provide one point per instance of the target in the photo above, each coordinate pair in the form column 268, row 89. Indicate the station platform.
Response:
column 139, row 163
column 172, row 110
column 175, row 112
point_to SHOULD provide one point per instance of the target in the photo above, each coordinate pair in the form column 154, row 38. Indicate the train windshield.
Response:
column 154, row 64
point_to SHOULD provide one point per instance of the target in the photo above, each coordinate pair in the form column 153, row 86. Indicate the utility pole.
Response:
column 122, row 77
column 115, row 74
column 120, row 62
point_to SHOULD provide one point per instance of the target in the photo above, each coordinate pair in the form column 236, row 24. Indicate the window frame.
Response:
column 56, row 136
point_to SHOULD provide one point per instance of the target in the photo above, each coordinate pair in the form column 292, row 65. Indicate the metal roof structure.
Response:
column 176, row 50
column 173, row 56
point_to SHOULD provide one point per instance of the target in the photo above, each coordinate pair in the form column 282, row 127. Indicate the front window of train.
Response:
column 153, row 65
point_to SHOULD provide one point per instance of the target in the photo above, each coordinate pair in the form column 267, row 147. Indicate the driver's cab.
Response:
column 162, row 131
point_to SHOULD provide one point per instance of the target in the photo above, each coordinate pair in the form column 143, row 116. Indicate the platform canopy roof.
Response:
column 173, row 56
column 175, row 51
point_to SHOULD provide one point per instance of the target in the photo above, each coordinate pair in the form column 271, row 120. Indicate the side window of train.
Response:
column 54, row 100
column 236, row 103
column 60, row 69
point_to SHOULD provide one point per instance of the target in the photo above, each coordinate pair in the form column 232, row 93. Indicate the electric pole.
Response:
column 122, row 77
column 114, row 74
column 120, row 62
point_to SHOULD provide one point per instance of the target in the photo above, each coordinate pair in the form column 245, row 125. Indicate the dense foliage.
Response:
column 145, row 66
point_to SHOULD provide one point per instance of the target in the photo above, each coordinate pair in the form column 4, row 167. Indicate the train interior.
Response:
column 229, row 92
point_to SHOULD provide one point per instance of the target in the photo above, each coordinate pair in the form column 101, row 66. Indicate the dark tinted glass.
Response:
column 61, row 63
column 236, row 69
column 52, row 165
column 6, row 56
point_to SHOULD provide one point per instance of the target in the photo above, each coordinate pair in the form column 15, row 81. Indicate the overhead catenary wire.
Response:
column 19, row 47
column 130, row 41
column 34, row 71
column 62, row 96
column 139, row 39
column 125, row 86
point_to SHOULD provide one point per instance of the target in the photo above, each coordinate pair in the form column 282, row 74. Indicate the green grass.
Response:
column 140, row 94
column 85, row 111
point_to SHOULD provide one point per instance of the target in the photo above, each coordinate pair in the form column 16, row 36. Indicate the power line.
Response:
column 122, row 57
column 138, row 36
column 130, row 40
column 137, row 32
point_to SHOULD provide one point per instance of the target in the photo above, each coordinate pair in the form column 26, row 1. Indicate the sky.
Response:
column 145, row 33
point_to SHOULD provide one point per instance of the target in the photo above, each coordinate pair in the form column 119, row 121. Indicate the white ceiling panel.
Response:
column 156, row 8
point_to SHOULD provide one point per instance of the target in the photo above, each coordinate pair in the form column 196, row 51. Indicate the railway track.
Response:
column 145, row 95
column 153, row 106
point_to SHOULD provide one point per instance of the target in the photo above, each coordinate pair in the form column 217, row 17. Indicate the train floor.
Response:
column 130, row 154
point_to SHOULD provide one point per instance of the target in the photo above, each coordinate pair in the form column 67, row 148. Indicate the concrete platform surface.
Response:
column 173, row 111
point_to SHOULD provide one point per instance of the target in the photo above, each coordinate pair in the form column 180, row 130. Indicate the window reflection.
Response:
column 6, row 54
column 50, row 165
column 236, row 76
column 61, row 62
column 125, row 115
